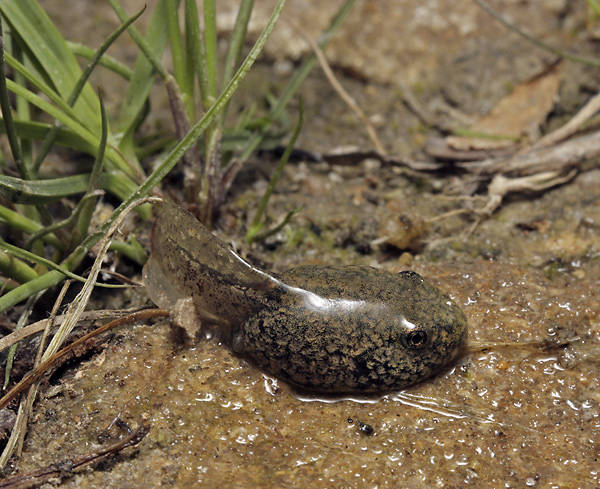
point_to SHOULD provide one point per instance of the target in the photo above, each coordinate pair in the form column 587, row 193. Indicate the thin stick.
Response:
column 571, row 127
column 33, row 375
column 36, row 476
column 35, row 328
column 558, row 52
column 346, row 97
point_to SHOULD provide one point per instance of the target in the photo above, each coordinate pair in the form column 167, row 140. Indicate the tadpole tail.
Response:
column 187, row 260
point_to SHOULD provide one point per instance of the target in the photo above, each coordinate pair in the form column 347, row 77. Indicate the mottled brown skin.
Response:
column 369, row 349
column 334, row 330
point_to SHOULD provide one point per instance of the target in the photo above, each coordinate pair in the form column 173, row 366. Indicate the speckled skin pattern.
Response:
column 334, row 330
column 362, row 346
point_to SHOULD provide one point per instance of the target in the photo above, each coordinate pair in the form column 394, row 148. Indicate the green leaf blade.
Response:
column 50, row 50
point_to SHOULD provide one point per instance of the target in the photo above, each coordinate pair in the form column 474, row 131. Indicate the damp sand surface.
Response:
column 496, row 419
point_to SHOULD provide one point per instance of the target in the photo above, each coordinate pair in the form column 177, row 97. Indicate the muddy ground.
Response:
column 503, row 417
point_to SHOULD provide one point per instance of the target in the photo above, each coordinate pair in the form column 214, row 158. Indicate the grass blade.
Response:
column 192, row 37
column 12, row 267
column 238, row 37
column 15, row 145
column 141, row 42
column 23, row 113
column 32, row 257
column 176, row 100
column 211, row 48
column 74, row 95
column 257, row 222
column 106, row 60
column 38, row 131
column 179, row 59
column 13, row 140
column 114, row 156
column 50, row 50
column 42, row 87
column 17, row 221
column 236, row 45
column 87, row 207
column 143, row 74
column 42, row 192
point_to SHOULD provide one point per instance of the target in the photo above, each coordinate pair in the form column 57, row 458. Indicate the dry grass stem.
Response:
column 16, row 336
column 56, row 470
column 50, row 355
column 337, row 86
column 35, row 374
column 571, row 127
column 26, row 406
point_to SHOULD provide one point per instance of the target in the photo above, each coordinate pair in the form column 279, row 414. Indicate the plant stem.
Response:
column 13, row 140
column 558, row 52
column 257, row 222
column 300, row 76
column 77, row 89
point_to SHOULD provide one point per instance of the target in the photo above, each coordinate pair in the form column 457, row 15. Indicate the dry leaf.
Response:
column 515, row 116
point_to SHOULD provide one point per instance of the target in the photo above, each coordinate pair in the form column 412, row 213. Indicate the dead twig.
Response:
column 16, row 336
column 68, row 466
column 561, row 158
column 500, row 186
column 571, row 127
column 35, row 374
column 337, row 86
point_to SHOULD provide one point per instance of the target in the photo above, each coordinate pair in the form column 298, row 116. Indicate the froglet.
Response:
column 327, row 329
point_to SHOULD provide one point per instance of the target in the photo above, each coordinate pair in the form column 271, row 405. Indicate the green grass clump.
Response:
column 65, row 96
column 34, row 49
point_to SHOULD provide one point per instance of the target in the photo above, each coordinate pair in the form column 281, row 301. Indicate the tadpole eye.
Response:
column 415, row 340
